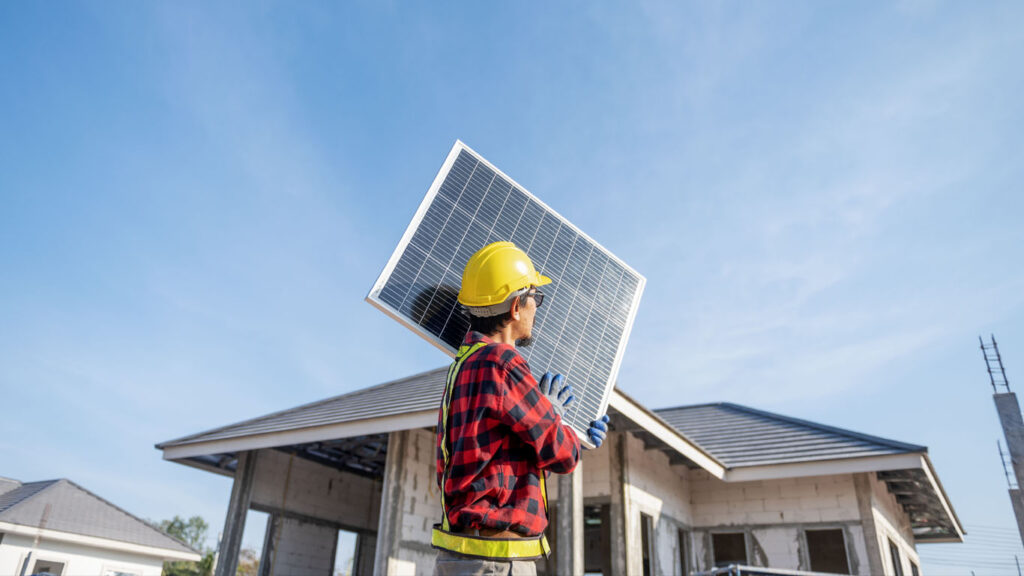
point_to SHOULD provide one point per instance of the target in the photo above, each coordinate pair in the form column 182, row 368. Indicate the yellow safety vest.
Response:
column 529, row 548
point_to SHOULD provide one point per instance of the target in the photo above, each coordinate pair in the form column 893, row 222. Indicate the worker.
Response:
column 499, row 430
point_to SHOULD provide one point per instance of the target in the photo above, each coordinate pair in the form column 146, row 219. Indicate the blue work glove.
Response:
column 560, row 396
column 598, row 430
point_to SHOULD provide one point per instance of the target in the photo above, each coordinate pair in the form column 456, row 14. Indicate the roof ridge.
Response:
column 826, row 428
column 353, row 393
column 129, row 514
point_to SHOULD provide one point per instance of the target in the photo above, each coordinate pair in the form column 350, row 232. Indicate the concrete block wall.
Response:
column 773, row 514
column 661, row 491
column 892, row 523
column 790, row 500
column 307, row 489
column 412, row 506
column 597, row 466
column 303, row 548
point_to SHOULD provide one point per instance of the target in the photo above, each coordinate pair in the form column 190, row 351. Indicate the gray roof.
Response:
column 732, row 434
column 740, row 436
column 6, row 485
column 411, row 394
column 76, row 510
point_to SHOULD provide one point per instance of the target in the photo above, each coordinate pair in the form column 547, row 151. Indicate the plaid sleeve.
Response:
column 532, row 418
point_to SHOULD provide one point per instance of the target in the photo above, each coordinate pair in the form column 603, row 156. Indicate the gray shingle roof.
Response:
column 734, row 435
column 8, row 484
column 740, row 436
column 412, row 394
column 76, row 510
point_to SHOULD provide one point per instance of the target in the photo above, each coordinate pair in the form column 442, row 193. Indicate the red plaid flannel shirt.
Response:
column 502, row 432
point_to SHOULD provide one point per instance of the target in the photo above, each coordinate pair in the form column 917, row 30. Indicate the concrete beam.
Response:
column 569, row 548
column 238, row 509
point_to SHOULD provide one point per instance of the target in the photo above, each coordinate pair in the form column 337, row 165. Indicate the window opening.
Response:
column 897, row 564
column 827, row 551
column 597, row 554
column 346, row 554
column 729, row 548
column 913, row 569
column 684, row 546
column 646, row 541
column 49, row 567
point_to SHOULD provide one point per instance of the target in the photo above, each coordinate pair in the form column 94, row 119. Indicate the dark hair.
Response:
column 490, row 324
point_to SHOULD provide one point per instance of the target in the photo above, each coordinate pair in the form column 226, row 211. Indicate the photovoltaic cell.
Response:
column 581, row 330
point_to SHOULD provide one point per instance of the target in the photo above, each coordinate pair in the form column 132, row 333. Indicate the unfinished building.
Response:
column 673, row 491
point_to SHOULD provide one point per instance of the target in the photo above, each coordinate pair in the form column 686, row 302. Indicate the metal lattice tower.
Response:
column 994, row 365
column 1013, row 427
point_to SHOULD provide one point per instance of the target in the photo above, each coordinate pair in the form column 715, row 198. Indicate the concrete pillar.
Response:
column 862, row 485
column 1017, row 499
column 569, row 548
column 389, row 528
column 619, row 515
column 269, row 545
column 238, row 509
column 1013, row 430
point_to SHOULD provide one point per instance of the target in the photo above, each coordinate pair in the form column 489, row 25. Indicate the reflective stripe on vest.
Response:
column 479, row 546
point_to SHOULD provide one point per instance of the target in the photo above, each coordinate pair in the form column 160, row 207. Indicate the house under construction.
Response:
column 673, row 491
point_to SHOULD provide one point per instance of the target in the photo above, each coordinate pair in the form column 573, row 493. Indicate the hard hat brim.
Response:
column 542, row 279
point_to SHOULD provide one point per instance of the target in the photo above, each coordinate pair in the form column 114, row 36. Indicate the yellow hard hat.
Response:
column 495, row 272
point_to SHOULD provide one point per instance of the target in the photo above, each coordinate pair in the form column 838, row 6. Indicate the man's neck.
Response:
column 504, row 336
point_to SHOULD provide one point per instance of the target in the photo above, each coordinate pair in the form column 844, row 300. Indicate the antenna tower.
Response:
column 994, row 365
column 1013, row 427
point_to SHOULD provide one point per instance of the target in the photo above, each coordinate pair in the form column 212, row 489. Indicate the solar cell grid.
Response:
column 582, row 329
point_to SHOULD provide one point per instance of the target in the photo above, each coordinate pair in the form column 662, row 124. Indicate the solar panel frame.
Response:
column 417, row 220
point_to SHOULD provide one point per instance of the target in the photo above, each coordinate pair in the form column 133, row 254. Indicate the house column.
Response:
column 390, row 525
column 862, row 485
column 569, row 548
column 619, row 510
column 238, row 509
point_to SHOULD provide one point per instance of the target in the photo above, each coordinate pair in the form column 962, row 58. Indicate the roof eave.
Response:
column 406, row 421
column 665, row 432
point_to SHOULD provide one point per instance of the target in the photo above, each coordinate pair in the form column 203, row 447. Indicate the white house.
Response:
column 673, row 491
column 60, row 528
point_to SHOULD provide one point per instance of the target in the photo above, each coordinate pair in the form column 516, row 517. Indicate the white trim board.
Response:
column 407, row 421
column 96, row 542
column 824, row 467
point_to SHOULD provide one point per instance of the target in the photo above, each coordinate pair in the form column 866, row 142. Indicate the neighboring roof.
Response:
column 68, row 507
column 8, row 484
column 740, row 436
column 412, row 394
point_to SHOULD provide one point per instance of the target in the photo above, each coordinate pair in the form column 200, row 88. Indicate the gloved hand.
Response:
column 560, row 396
column 598, row 430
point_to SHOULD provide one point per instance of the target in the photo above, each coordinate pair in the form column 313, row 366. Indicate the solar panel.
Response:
column 581, row 330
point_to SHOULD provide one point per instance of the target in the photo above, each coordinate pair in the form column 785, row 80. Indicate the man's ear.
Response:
column 514, row 310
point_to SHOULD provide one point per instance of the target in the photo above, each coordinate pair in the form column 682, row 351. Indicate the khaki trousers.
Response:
column 448, row 564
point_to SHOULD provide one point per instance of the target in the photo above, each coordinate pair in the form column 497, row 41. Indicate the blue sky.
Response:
column 196, row 199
